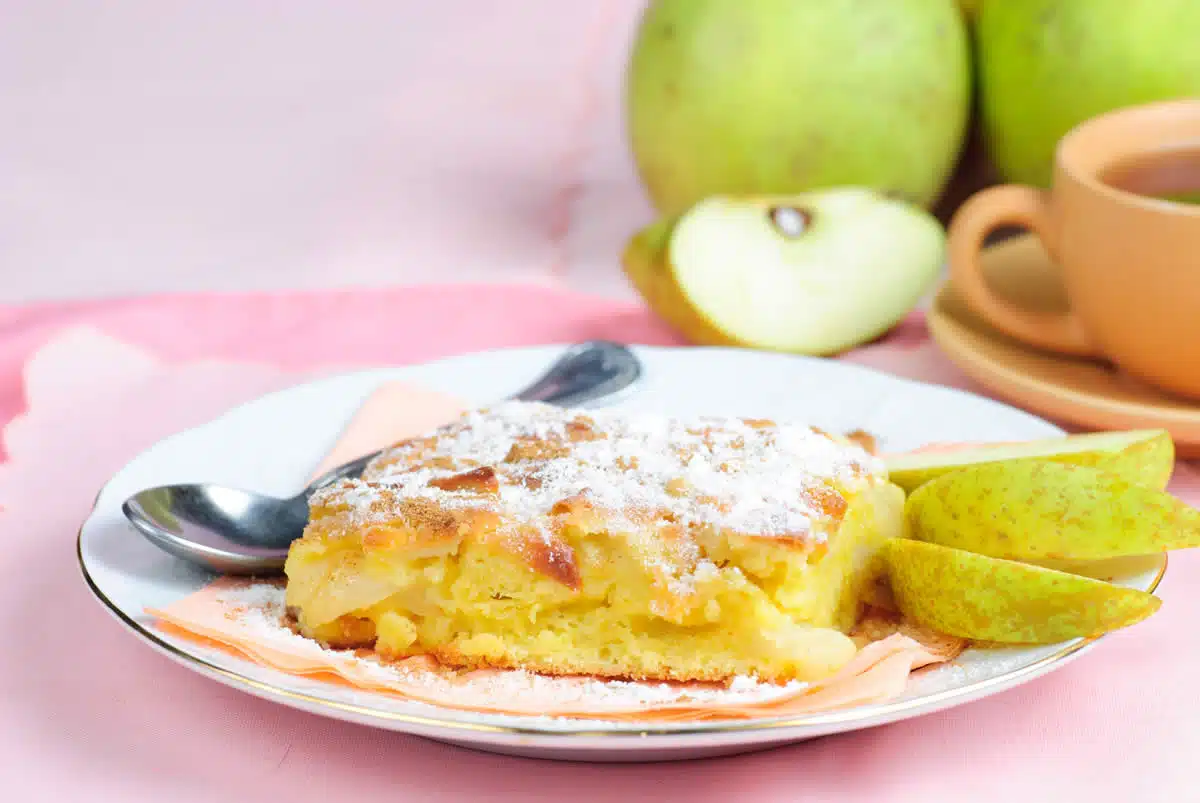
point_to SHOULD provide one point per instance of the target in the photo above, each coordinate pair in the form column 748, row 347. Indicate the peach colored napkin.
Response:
column 246, row 617
column 394, row 412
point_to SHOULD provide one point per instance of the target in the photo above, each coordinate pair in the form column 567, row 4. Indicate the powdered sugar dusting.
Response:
column 743, row 476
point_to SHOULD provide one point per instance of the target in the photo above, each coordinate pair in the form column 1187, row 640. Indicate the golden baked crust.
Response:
column 525, row 536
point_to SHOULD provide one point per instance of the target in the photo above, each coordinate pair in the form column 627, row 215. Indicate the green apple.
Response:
column 815, row 273
column 1038, row 510
column 1046, row 65
column 1144, row 456
column 784, row 96
column 988, row 599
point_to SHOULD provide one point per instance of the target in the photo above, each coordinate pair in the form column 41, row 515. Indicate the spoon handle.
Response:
column 585, row 372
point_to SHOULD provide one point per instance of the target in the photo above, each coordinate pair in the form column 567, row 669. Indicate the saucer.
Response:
column 1088, row 393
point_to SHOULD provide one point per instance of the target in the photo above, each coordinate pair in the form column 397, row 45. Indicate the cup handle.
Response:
column 1017, row 205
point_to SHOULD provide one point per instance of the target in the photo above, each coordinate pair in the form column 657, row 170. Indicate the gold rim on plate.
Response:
column 855, row 714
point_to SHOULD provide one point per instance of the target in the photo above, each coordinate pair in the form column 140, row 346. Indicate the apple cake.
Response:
column 602, row 543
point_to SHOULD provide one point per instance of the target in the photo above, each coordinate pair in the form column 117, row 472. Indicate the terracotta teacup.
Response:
column 1130, row 262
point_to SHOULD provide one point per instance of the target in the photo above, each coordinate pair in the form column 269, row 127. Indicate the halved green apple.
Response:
column 815, row 273
column 989, row 599
column 1144, row 456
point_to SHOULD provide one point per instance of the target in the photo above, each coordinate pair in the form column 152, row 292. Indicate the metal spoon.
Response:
column 241, row 532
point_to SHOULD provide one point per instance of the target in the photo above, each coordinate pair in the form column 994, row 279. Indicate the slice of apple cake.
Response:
column 601, row 543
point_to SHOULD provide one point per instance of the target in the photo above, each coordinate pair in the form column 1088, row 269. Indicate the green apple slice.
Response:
column 1144, row 456
column 815, row 273
column 974, row 596
column 1038, row 510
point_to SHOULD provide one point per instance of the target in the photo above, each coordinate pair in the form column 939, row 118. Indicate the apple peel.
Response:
column 1146, row 457
column 977, row 597
column 1035, row 510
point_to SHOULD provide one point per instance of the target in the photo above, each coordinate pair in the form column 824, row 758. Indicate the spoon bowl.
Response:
column 226, row 529
column 234, row 531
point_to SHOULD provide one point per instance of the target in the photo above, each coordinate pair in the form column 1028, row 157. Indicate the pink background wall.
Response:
column 150, row 146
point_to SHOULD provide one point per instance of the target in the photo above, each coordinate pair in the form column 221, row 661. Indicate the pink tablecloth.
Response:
column 87, row 713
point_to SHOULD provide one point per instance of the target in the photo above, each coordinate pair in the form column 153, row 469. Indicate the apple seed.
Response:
column 791, row 221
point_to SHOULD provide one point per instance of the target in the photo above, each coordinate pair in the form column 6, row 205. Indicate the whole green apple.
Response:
column 1047, row 65
column 783, row 96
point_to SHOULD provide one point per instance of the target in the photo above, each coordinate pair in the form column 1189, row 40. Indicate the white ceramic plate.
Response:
column 268, row 445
